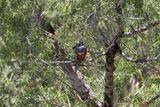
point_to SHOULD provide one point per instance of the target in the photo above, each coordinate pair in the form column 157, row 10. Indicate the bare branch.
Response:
column 48, row 34
column 153, row 98
column 140, row 60
column 53, row 63
column 142, row 29
column 136, row 18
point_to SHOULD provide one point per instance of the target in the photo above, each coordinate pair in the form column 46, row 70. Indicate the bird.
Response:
column 82, row 53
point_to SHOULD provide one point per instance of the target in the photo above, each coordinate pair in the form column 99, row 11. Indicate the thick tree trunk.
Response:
column 110, row 55
column 110, row 68
column 108, row 95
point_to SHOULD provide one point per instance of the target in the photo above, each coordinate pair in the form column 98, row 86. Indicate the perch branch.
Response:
column 57, row 63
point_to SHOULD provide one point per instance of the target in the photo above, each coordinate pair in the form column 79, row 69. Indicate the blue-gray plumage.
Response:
column 80, row 49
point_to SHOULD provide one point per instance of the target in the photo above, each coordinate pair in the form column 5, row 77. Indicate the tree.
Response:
column 117, row 32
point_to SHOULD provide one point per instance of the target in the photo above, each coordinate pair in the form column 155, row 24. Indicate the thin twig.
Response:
column 142, row 29
column 140, row 60
column 136, row 18
column 46, row 33
column 153, row 98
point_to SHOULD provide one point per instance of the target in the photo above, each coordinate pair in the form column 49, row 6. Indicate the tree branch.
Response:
column 57, row 63
column 79, row 84
column 140, row 60
column 142, row 29
column 71, row 70
column 110, row 55
column 153, row 98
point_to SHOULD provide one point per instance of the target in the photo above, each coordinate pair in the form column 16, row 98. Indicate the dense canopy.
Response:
column 38, row 66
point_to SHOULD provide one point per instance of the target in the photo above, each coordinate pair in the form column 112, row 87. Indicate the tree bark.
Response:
column 108, row 95
column 79, row 84
column 110, row 55
column 110, row 68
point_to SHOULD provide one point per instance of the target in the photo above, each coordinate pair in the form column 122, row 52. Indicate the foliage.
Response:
column 25, row 82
